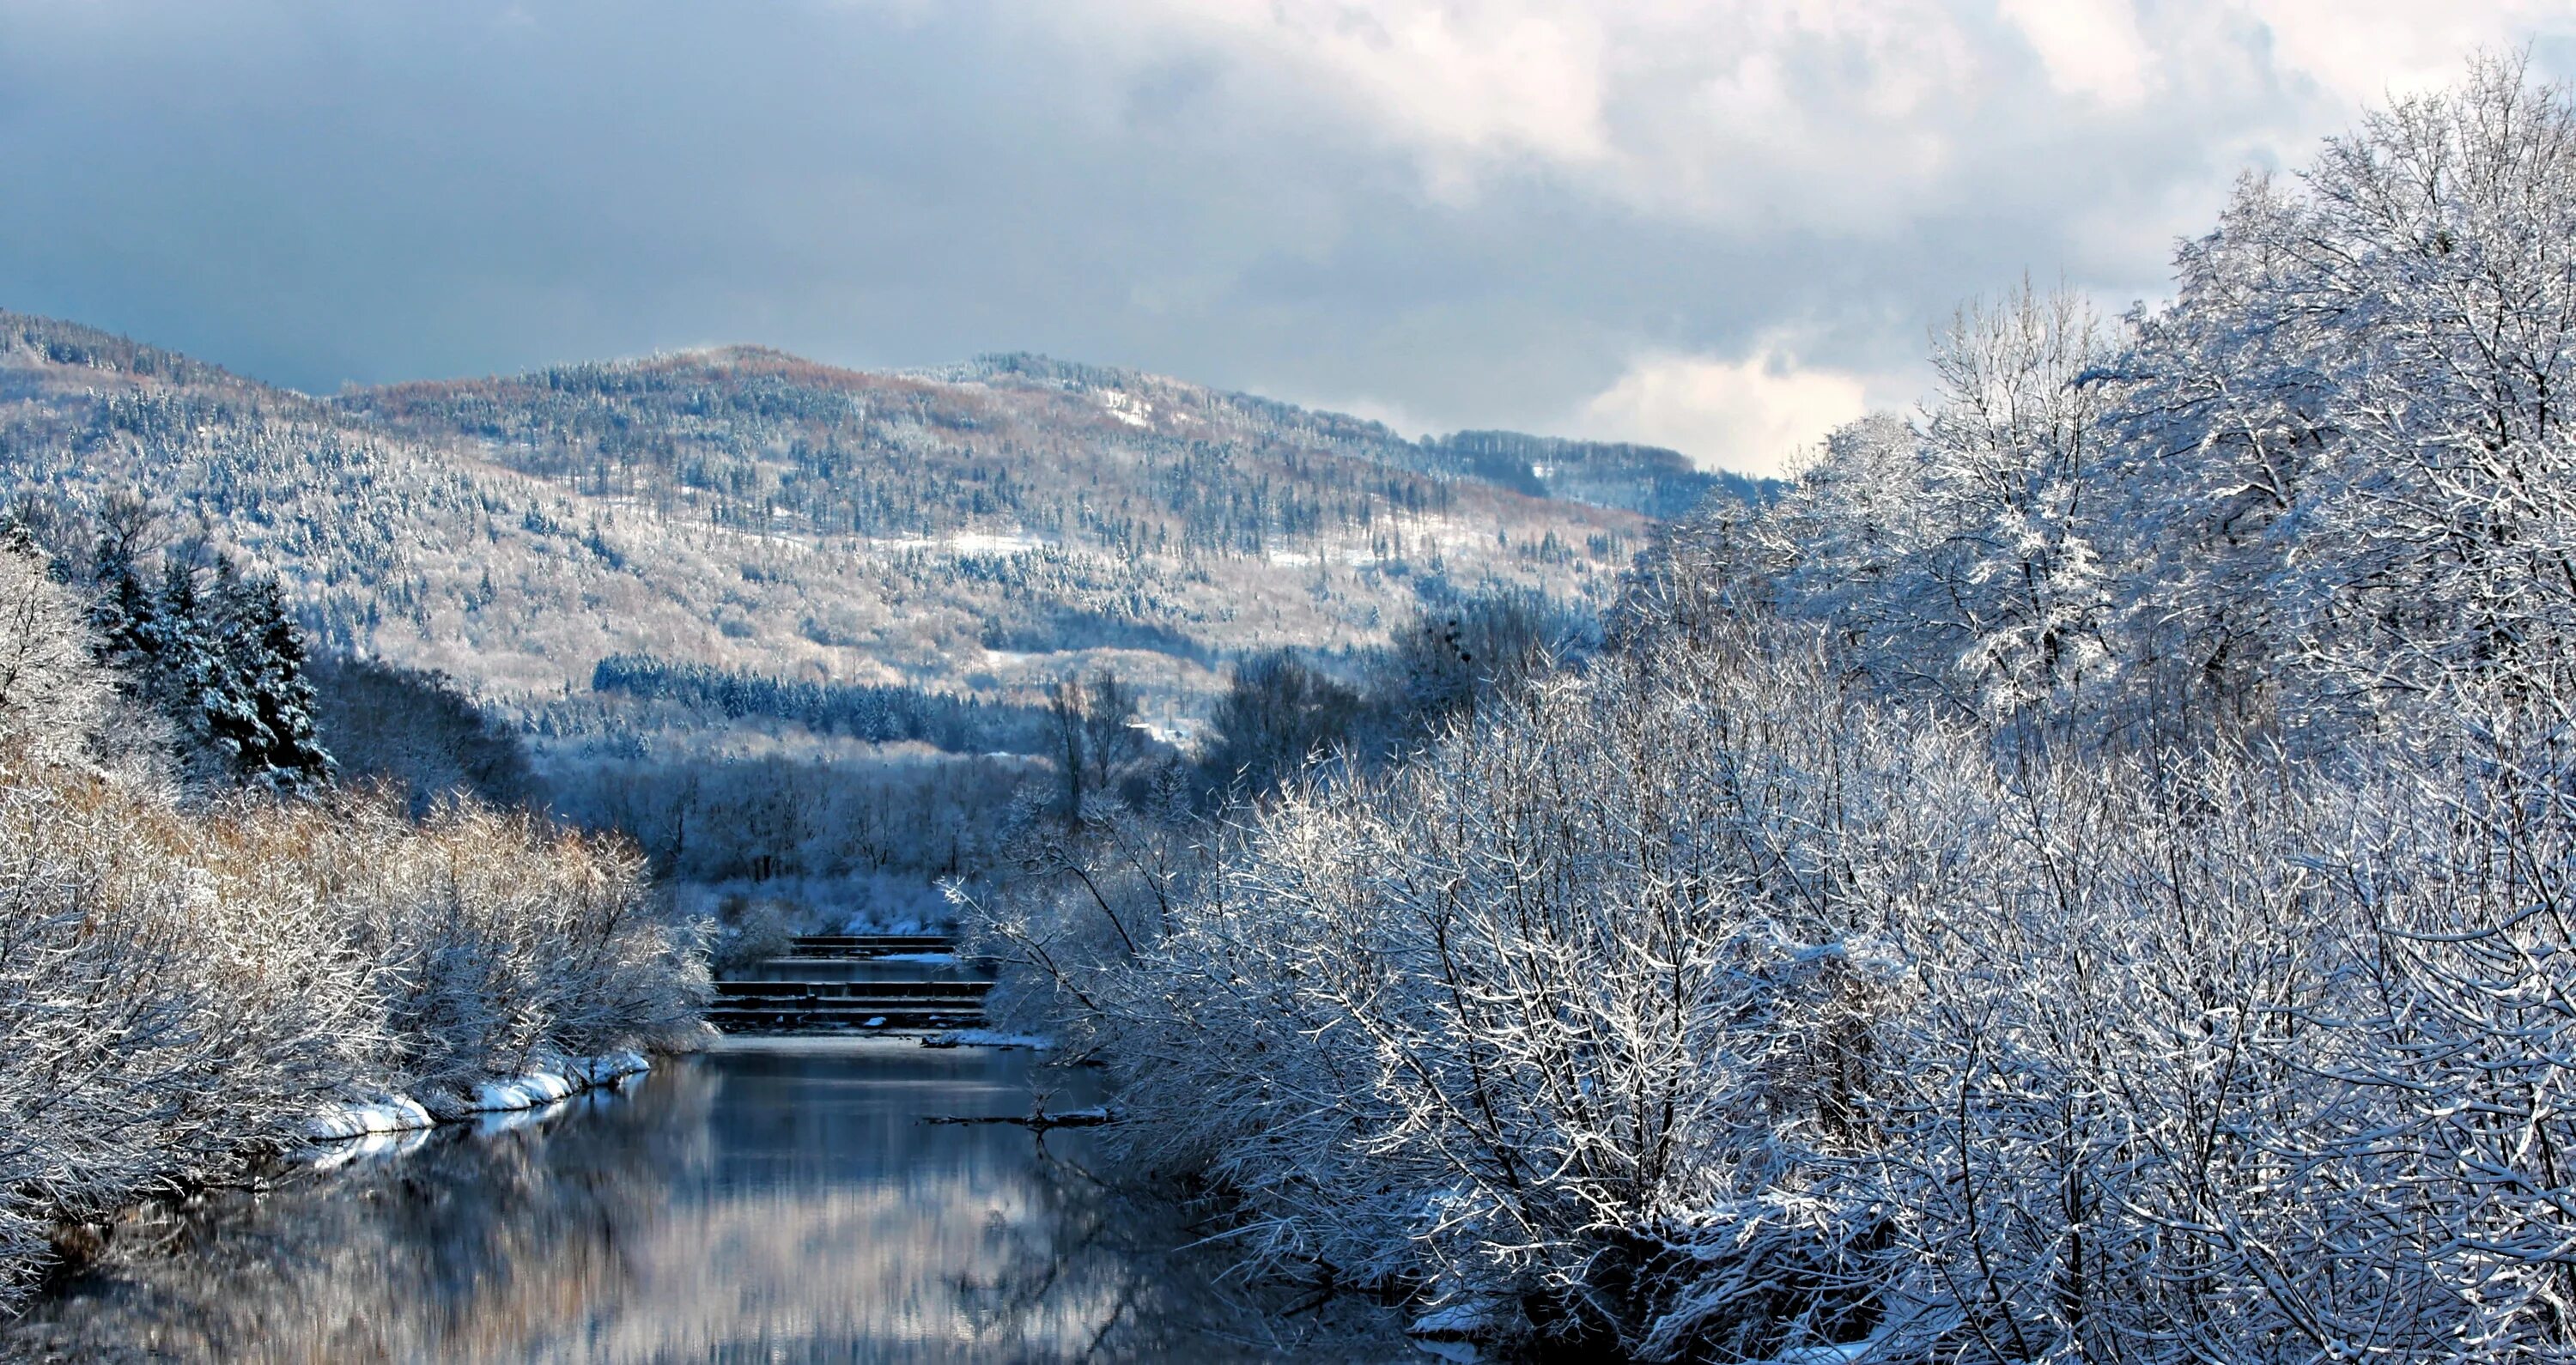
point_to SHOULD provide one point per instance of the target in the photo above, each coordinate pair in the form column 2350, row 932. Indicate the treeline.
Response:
column 878, row 714
column 201, row 947
column 417, row 733
column 2085, row 876
column 1659, row 483
column 1649, row 479
column 71, row 344
column 1284, row 709
column 721, row 819
column 754, row 439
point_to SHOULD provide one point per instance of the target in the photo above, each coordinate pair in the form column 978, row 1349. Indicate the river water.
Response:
column 778, row 1200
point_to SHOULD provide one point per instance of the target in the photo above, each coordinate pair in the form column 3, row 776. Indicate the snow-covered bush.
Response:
column 749, row 932
column 1572, row 1021
column 181, row 986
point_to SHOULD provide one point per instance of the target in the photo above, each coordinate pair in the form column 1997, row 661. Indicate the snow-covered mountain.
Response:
column 982, row 528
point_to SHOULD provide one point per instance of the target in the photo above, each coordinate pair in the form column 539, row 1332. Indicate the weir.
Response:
column 861, row 983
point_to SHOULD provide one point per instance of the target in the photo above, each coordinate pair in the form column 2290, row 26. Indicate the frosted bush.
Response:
column 179, row 988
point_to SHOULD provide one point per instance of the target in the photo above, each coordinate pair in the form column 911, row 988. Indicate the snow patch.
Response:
column 367, row 1148
column 979, row 543
column 548, row 1082
column 1128, row 408
column 390, row 1114
column 364, row 1128
column 524, row 1091
column 963, row 543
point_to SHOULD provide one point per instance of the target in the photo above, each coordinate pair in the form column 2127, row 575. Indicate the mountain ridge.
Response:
column 977, row 529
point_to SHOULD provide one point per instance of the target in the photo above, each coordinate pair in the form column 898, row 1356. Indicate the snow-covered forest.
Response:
column 707, row 588
column 978, row 532
column 210, row 932
column 2085, row 874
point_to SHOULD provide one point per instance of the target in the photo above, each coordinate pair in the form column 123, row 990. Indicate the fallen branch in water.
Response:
column 1039, row 1122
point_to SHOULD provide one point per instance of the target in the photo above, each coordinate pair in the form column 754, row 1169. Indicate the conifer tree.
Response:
column 266, row 666
column 192, row 677
column 121, row 615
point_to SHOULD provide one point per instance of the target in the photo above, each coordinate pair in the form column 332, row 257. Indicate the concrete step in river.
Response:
column 856, row 983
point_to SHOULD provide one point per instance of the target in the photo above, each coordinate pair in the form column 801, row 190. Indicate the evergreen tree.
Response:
column 192, row 677
column 266, row 673
column 121, row 615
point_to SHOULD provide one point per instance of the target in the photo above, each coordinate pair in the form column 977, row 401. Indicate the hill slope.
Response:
column 982, row 528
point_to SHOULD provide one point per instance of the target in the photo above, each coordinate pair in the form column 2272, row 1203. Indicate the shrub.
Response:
column 181, row 985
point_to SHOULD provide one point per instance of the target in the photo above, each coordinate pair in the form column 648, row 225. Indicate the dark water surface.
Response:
column 778, row 1201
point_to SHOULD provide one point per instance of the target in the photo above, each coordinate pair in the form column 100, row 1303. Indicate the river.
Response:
column 773, row 1200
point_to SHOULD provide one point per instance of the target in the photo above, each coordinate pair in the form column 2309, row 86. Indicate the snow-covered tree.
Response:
column 2085, row 876
column 53, row 698
column 264, row 659
column 2352, row 463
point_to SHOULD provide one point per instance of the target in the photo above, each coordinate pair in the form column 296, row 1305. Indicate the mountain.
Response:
column 1651, row 480
column 980, row 529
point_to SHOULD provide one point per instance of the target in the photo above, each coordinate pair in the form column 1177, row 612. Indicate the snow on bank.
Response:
column 543, row 1085
column 332, row 1155
column 390, row 1114
column 374, row 1124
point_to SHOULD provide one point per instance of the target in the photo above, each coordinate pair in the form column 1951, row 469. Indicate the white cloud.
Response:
column 1816, row 111
column 1459, row 83
column 2365, row 50
column 2091, row 47
column 1752, row 416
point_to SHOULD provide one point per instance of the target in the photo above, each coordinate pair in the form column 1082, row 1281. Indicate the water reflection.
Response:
column 769, row 1203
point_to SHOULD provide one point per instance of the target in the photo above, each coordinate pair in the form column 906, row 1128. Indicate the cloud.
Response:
column 1487, row 214
column 1751, row 416
column 2366, row 50
column 2091, row 48
column 1443, row 77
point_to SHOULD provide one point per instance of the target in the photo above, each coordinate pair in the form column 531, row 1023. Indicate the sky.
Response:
column 1719, row 227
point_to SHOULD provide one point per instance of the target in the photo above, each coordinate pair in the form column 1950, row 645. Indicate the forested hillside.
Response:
column 982, row 530
column 782, row 622
column 2085, row 875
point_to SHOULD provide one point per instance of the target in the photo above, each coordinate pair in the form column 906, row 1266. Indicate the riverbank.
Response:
column 764, row 1199
column 183, row 987
column 201, row 942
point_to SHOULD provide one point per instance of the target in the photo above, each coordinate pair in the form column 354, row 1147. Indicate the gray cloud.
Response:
column 1486, row 217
